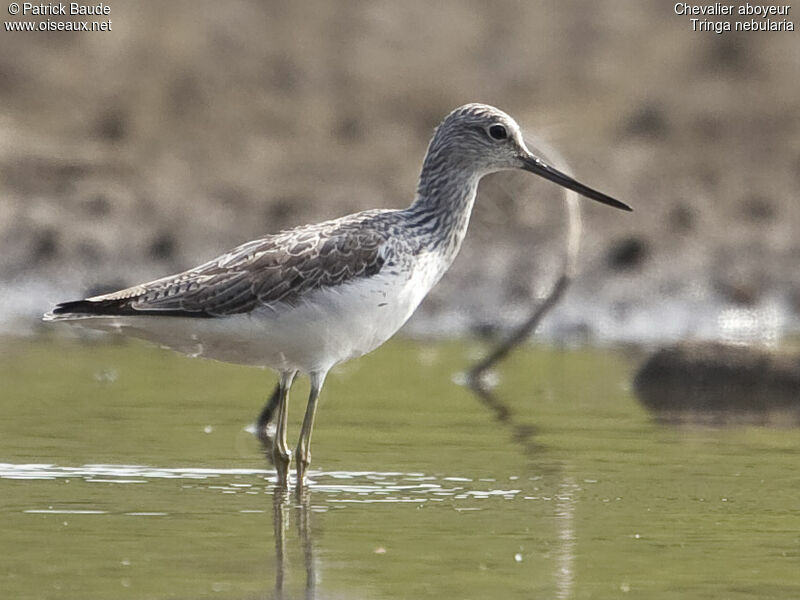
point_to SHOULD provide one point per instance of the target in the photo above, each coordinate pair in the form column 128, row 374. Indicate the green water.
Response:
column 127, row 473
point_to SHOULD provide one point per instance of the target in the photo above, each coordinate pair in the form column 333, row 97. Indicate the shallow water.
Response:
column 128, row 472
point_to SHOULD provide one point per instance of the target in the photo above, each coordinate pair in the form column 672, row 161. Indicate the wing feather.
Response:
column 280, row 268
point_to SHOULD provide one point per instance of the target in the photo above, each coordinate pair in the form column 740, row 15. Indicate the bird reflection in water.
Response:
column 282, row 503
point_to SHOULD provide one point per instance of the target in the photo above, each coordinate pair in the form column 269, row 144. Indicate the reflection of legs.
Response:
column 265, row 417
column 279, row 518
column 304, row 445
column 304, row 529
column 281, row 455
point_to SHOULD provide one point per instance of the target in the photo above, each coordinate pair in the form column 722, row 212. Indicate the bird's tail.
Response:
column 85, row 309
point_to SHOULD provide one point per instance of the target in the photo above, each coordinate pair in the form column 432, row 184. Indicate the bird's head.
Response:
column 484, row 139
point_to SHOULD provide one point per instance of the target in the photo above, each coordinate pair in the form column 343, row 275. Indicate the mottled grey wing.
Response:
column 281, row 268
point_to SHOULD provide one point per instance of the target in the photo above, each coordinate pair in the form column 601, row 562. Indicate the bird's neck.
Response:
column 441, row 210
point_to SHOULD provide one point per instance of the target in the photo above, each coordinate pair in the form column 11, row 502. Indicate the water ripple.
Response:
column 338, row 487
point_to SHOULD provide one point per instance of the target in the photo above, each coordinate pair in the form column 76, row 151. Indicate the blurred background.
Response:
column 193, row 126
column 129, row 472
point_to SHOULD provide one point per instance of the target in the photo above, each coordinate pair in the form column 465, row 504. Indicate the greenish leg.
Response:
column 304, row 445
column 281, row 455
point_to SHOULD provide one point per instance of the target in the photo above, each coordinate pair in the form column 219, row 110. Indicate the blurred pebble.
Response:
column 627, row 253
column 712, row 382
column 648, row 120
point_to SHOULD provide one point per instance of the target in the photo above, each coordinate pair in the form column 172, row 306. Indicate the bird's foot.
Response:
column 303, row 462
column 282, row 459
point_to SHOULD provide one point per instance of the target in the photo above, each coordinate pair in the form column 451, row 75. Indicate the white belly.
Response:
column 327, row 327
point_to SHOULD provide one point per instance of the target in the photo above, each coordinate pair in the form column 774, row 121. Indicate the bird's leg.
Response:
column 304, row 445
column 281, row 455
column 262, row 425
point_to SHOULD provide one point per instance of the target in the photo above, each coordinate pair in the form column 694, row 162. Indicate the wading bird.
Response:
column 306, row 299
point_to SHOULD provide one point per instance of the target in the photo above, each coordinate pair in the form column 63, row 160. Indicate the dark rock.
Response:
column 41, row 175
column 112, row 125
column 281, row 210
column 682, row 218
column 163, row 247
column 45, row 246
column 758, row 208
column 518, row 289
column 727, row 53
column 627, row 253
column 348, row 129
column 98, row 205
column 486, row 330
column 739, row 291
column 649, row 120
column 712, row 382
column 577, row 333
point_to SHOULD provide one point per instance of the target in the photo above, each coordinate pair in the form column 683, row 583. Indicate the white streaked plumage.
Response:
column 325, row 327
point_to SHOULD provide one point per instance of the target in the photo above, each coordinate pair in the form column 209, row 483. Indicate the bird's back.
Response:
column 301, row 298
column 277, row 269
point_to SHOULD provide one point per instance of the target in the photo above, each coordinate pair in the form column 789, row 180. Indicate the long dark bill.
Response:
column 541, row 168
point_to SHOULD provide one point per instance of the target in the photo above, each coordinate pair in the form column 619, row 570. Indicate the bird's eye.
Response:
column 498, row 132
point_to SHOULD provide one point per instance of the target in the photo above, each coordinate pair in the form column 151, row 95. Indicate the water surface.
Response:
column 128, row 472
